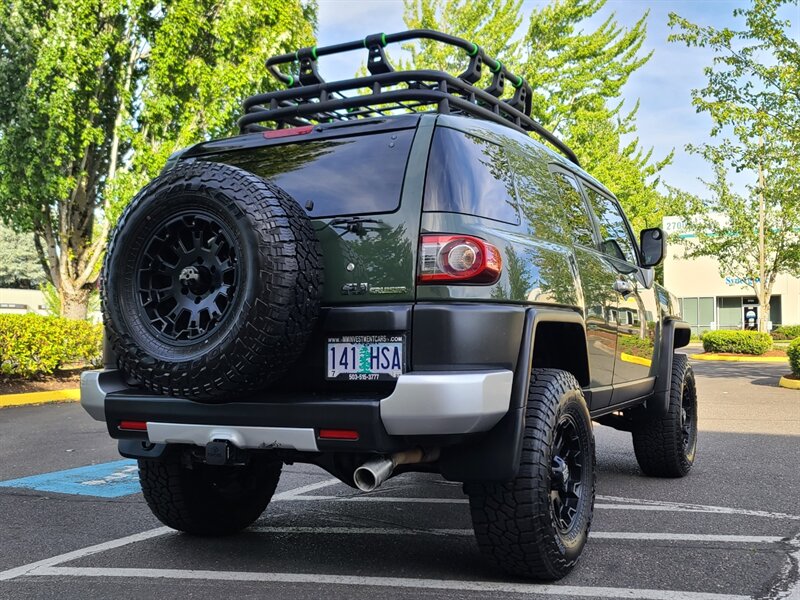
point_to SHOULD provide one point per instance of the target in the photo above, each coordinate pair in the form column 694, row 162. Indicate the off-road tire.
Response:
column 273, row 302
column 206, row 499
column 514, row 522
column 666, row 446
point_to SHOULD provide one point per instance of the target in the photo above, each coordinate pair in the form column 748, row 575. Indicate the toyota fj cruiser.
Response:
column 392, row 276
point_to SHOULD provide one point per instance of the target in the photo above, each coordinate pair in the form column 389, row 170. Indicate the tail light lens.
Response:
column 458, row 258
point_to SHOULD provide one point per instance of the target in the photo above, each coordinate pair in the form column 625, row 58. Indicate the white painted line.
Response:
column 290, row 494
column 602, row 535
column 634, row 505
column 318, row 580
column 76, row 554
column 787, row 585
column 686, row 507
column 130, row 539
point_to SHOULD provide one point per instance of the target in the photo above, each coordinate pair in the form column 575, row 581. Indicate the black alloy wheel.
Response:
column 187, row 277
column 566, row 484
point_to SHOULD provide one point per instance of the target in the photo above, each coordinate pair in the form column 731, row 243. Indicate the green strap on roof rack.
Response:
column 291, row 81
column 519, row 82
column 383, row 41
column 314, row 52
column 474, row 50
column 497, row 67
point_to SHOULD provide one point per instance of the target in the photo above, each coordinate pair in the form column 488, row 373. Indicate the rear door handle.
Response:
column 623, row 287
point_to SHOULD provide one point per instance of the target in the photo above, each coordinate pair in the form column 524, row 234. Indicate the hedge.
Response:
column 793, row 351
column 786, row 332
column 738, row 342
column 33, row 345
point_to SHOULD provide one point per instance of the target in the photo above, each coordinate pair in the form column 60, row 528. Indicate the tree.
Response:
column 19, row 267
column 489, row 23
column 94, row 96
column 577, row 78
column 753, row 98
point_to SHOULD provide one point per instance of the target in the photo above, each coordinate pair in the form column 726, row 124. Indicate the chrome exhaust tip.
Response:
column 373, row 473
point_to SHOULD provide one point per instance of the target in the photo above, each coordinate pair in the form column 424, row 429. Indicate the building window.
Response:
column 699, row 313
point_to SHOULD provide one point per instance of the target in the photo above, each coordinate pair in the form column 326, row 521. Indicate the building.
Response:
column 711, row 300
column 19, row 302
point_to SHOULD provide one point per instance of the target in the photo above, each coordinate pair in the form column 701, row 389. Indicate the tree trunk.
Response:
column 763, row 321
column 74, row 305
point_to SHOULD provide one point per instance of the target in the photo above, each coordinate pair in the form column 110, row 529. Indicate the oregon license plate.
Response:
column 365, row 357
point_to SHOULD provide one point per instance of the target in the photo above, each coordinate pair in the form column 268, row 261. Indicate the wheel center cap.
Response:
column 196, row 278
column 561, row 471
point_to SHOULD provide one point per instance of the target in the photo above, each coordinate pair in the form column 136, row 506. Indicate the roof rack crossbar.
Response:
column 309, row 98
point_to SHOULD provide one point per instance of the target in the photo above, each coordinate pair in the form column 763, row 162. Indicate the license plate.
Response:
column 365, row 357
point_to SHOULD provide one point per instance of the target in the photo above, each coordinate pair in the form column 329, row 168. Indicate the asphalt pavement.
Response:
column 731, row 529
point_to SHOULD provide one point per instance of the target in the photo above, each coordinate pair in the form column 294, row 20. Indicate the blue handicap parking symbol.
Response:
column 106, row 480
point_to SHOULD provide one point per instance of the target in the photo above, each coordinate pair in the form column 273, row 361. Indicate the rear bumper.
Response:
column 423, row 403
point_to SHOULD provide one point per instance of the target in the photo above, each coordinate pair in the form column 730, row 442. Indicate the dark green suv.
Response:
column 382, row 275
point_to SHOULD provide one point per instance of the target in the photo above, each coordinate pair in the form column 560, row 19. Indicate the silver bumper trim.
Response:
column 240, row 436
column 433, row 403
column 95, row 385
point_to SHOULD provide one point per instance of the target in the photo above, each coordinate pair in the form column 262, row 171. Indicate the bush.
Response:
column 739, row 342
column 793, row 351
column 786, row 332
column 35, row 345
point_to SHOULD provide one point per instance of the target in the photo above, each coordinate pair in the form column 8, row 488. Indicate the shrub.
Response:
column 786, row 332
column 793, row 351
column 739, row 342
column 35, row 345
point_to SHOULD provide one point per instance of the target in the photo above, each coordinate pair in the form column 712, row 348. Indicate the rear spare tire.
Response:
column 211, row 282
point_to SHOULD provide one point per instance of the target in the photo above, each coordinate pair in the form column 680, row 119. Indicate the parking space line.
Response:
column 602, row 535
column 634, row 504
column 80, row 553
column 318, row 579
column 291, row 494
column 682, row 506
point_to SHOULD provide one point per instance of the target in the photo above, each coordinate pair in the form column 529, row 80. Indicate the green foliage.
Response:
column 635, row 346
column 786, row 332
column 94, row 96
column 19, row 265
column 32, row 345
column 488, row 23
column 736, row 341
column 752, row 98
column 577, row 77
column 793, row 352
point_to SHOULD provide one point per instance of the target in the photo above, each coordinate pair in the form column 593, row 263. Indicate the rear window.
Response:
column 341, row 176
column 469, row 175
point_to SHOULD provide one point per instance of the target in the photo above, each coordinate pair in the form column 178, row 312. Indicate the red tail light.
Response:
column 458, row 259
column 279, row 133
column 338, row 434
column 132, row 426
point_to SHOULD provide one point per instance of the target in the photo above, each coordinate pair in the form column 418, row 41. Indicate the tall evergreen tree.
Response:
column 95, row 95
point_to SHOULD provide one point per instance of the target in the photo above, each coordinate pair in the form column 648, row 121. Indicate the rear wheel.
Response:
column 537, row 524
column 666, row 446
column 208, row 499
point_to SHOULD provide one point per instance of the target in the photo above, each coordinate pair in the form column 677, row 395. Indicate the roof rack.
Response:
column 309, row 99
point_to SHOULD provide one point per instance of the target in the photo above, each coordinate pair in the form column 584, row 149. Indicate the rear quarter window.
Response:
column 469, row 175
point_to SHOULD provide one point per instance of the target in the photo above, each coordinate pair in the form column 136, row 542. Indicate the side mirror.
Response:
column 653, row 245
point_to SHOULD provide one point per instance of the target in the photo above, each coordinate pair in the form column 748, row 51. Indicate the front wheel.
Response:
column 537, row 524
column 208, row 499
column 666, row 446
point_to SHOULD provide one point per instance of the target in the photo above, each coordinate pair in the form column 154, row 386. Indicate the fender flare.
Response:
column 674, row 334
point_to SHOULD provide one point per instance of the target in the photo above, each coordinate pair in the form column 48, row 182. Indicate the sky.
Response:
column 666, row 118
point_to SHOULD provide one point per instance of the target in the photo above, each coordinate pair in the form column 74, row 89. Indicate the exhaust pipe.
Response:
column 373, row 473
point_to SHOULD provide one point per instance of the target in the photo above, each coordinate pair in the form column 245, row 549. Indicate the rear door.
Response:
column 361, row 184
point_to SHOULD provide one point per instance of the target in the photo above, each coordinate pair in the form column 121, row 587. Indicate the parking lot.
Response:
column 728, row 530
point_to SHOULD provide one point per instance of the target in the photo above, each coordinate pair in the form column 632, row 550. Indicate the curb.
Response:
column 637, row 360
column 72, row 395
column 791, row 384
column 756, row 359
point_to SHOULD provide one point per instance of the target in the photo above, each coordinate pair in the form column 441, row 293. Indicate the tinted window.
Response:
column 612, row 226
column 575, row 210
column 470, row 176
column 342, row 176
